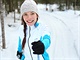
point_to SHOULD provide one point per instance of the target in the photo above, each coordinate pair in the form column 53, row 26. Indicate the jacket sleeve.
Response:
column 20, row 32
column 19, row 45
column 20, row 38
column 46, row 40
column 45, row 37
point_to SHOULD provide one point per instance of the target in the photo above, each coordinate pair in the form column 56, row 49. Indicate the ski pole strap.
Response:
column 38, row 57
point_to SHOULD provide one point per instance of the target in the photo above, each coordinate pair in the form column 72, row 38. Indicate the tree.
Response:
column 2, row 25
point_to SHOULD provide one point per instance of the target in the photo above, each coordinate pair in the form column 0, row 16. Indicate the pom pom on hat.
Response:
column 28, row 5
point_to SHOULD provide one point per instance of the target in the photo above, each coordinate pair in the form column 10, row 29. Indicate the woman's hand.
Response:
column 38, row 47
column 19, row 54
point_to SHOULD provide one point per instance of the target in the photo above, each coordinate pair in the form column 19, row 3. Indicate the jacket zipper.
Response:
column 28, row 43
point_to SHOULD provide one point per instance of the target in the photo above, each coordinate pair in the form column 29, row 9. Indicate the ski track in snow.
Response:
column 64, row 37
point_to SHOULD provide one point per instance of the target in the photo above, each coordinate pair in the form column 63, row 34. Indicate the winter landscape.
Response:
column 65, row 34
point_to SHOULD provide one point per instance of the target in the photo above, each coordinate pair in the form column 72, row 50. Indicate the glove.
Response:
column 38, row 47
column 19, row 54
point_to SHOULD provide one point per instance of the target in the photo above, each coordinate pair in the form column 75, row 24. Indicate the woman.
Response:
column 35, row 37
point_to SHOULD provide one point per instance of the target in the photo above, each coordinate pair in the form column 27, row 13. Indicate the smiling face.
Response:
column 30, row 18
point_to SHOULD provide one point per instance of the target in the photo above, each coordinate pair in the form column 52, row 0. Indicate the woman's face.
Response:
column 30, row 18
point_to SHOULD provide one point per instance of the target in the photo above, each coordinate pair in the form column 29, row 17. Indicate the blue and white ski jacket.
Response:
column 34, row 33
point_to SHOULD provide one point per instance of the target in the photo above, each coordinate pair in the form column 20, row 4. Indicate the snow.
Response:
column 65, row 34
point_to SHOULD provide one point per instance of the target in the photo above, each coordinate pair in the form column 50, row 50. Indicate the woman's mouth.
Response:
column 30, row 21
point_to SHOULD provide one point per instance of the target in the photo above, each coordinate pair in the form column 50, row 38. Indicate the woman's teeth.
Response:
column 30, row 21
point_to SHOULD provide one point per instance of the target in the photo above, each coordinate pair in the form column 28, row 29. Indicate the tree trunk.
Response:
column 66, row 5
column 74, row 7
column 2, row 25
column 14, row 16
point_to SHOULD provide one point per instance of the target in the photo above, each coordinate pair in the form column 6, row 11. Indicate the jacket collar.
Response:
column 33, row 26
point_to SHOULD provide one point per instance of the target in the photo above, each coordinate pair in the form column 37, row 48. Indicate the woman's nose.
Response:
column 29, row 16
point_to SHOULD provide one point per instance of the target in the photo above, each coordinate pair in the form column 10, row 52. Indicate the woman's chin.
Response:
column 29, row 24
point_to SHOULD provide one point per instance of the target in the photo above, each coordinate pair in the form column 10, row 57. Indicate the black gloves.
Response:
column 19, row 54
column 38, row 47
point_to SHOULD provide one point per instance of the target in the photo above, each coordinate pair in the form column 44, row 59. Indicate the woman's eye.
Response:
column 25, row 14
column 32, row 13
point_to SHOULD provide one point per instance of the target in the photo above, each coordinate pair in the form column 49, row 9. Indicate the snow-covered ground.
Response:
column 65, row 35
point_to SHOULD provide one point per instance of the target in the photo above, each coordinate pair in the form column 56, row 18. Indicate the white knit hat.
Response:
column 28, row 5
